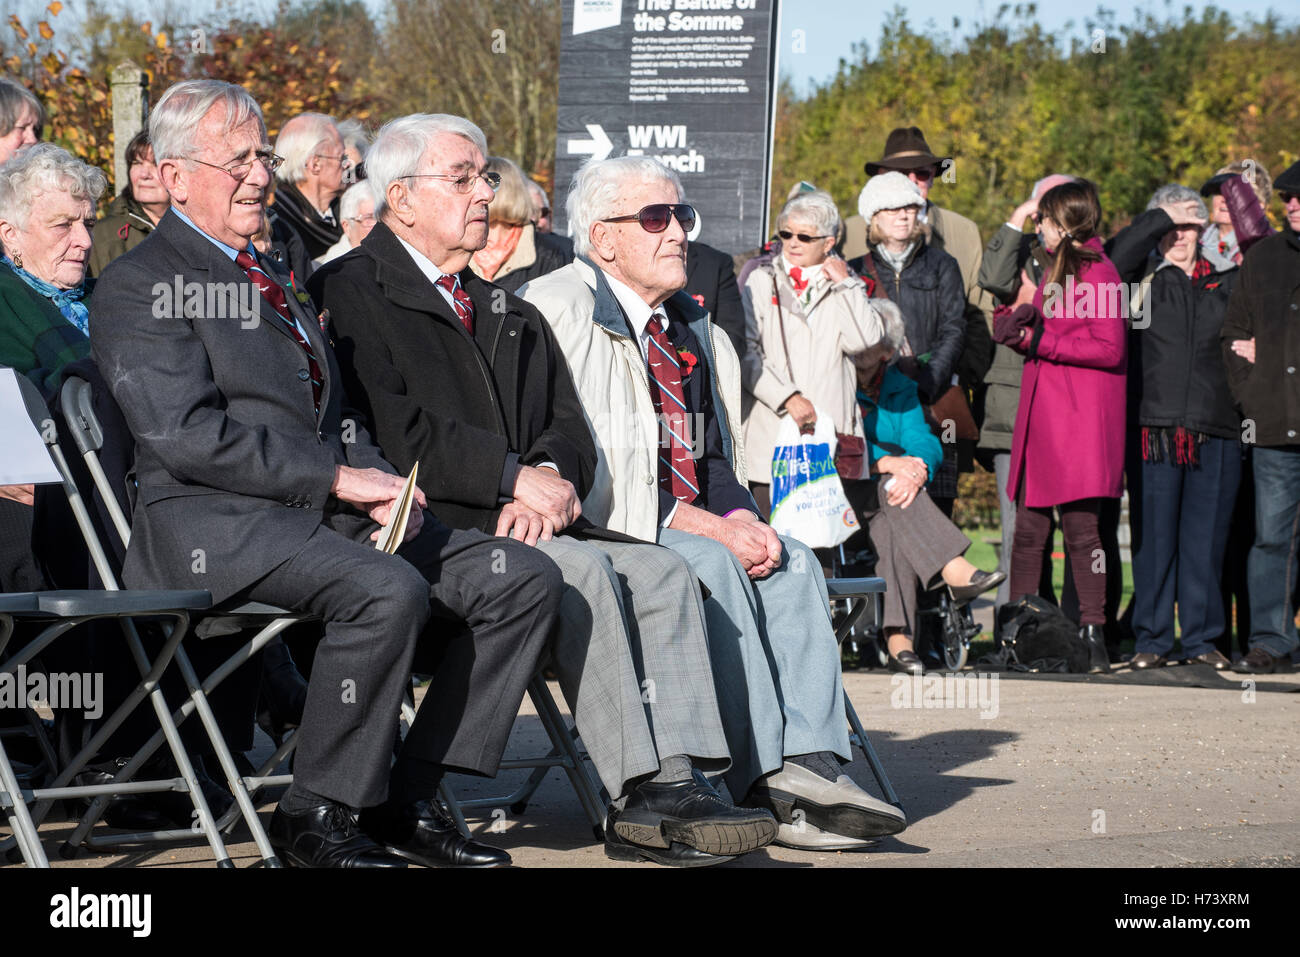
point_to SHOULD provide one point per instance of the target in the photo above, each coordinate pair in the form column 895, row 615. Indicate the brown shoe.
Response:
column 1214, row 659
column 1260, row 662
column 1146, row 660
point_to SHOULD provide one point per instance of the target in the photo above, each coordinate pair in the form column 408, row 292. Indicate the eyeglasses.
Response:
column 656, row 217
column 802, row 237
column 924, row 172
column 462, row 182
column 1286, row 197
column 368, row 218
column 343, row 160
column 240, row 171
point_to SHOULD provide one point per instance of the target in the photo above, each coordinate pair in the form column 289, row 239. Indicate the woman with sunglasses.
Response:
column 806, row 316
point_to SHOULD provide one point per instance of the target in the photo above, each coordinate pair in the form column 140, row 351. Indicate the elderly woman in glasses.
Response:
column 516, row 250
column 806, row 316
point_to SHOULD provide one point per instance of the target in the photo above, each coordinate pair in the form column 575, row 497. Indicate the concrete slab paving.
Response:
column 1175, row 769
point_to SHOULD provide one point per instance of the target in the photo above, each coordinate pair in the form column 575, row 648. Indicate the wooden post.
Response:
column 130, row 113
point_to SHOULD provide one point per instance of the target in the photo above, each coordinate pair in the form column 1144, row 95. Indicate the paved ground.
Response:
column 1181, row 767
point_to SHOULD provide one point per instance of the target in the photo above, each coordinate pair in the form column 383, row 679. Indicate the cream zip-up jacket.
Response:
column 610, row 375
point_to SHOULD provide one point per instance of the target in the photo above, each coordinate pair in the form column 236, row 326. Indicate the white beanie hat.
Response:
column 890, row 190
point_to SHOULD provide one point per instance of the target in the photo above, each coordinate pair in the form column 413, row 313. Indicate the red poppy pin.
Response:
column 699, row 299
column 688, row 361
column 871, row 286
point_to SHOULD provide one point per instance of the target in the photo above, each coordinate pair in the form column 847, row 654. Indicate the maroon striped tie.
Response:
column 677, row 468
column 464, row 305
column 274, row 295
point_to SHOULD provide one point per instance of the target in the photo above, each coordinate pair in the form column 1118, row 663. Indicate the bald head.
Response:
column 1050, row 182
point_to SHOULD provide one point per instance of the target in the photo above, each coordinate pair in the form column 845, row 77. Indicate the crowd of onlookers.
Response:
column 1074, row 366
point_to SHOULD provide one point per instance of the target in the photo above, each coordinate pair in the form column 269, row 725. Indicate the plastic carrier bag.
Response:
column 808, row 501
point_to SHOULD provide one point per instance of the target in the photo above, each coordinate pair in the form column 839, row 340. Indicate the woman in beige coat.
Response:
column 806, row 316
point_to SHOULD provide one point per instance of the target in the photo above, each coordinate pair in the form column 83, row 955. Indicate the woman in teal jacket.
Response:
column 914, row 541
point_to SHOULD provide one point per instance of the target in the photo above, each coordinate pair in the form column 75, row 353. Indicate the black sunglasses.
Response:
column 655, row 217
column 1286, row 196
column 802, row 237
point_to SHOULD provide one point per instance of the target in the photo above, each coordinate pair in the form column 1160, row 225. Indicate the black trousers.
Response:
column 483, row 609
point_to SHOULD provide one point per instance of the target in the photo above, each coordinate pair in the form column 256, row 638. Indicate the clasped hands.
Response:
column 544, row 505
column 754, row 543
column 909, row 474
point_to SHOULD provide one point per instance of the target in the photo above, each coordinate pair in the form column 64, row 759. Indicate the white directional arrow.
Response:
column 599, row 146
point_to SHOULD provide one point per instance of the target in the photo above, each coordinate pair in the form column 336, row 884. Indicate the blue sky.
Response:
column 833, row 26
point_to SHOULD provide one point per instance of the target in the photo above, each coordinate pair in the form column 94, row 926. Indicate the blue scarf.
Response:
column 68, row 301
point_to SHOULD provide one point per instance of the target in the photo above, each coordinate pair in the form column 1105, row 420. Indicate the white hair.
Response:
column 815, row 208
column 174, row 122
column 353, row 197
column 44, row 168
column 538, row 196
column 1177, row 193
column 400, row 145
column 355, row 134
column 1039, row 190
column 597, row 186
column 298, row 141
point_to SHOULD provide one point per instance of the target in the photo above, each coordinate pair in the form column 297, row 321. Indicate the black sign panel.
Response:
column 690, row 82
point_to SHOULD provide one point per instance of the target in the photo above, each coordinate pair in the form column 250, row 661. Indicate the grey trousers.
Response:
column 913, row 544
column 633, row 660
column 492, row 603
column 776, row 663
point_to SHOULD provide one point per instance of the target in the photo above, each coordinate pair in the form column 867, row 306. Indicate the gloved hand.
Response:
column 1008, row 323
column 1249, row 223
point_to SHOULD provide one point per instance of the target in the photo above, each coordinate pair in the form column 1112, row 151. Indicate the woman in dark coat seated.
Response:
column 914, row 541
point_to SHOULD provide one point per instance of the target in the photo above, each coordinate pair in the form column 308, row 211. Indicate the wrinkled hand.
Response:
column 22, row 494
column 376, row 492
column 835, row 268
column 802, row 411
column 523, row 524
column 1022, row 212
column 1184, row 213
column 903, row 489
column 908, row 466
column 752, row 541
column 552, row 497
column 1245, row 348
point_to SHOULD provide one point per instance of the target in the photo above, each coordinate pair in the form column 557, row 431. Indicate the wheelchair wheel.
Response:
column 958, row 629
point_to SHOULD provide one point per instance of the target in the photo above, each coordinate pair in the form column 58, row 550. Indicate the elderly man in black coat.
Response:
column 257, row 480
column 466, row 379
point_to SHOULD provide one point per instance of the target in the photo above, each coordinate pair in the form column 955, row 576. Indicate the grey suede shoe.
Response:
column 839, row 806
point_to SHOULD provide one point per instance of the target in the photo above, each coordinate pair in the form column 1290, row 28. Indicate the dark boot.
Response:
column 1094, row 637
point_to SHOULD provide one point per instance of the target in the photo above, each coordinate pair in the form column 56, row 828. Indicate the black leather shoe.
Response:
column 979, row 583
column 423, row 834
column 906, row 662
column 692, row 813
column 128, row 812
column 158, row 810
column 325, row 836
column 675, row 855
column 1095, row 638
column 1144, row 661
column 1213, row 658
column 1260, row 662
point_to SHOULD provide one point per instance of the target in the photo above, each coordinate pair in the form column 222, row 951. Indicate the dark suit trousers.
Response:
column 375, row 608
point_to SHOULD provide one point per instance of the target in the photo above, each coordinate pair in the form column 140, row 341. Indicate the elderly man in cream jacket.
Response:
column 660, row 385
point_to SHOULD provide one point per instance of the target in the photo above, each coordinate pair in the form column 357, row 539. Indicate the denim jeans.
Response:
column 1272, row 564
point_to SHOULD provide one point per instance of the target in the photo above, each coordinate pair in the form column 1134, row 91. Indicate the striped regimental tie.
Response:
column 273, row 294
column 676, row 461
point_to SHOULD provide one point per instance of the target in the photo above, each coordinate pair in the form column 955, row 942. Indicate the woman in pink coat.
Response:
column 1068, row 449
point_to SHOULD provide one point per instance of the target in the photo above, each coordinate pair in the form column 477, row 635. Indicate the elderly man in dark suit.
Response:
column 465, row 378
column 255, row 479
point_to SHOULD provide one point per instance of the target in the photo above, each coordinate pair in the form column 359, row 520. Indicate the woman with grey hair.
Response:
column 1185, row 452
column 806, row 316
column 915, row 543
column 47, row 213
column 21, row 118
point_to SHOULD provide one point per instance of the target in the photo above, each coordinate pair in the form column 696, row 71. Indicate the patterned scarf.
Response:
column 68, row 301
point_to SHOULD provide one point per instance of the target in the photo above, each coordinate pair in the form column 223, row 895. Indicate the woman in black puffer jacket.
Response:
column 1185, row 452
column 926, row 284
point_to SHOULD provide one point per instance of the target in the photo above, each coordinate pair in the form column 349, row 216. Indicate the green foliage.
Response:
column 1163, row 101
